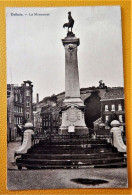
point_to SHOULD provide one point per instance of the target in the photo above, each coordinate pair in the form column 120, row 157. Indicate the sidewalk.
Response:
column 11, row 147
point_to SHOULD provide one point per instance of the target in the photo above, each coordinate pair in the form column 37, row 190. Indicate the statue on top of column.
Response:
column 69, row 24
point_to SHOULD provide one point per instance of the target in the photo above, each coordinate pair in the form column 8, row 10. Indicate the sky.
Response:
column 35, row 51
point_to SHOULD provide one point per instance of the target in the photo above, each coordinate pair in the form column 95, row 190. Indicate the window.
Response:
column 106, row 107
column 113, row 107
column 14, row 120
column 20, row 98
column 46, row 117
column 47, row 124
column 21, row 120
column 119, row 107
column 21, row 109
column 27, row 115
column 27, row 93
column 120, row 118
column 27, row 104
column 106, row 118
column 16, row 98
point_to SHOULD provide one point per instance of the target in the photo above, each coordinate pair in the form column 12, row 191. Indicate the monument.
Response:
column 73, row 107
column 40, row 151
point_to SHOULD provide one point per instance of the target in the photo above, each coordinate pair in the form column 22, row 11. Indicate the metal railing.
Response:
column 74, row 138
column 36, row 138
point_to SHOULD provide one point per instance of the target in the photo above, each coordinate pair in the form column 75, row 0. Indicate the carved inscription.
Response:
column 73, row 114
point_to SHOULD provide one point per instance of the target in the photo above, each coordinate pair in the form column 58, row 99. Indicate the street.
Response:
column 63, row 178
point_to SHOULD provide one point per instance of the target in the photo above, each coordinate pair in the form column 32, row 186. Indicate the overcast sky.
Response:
column 35, row 51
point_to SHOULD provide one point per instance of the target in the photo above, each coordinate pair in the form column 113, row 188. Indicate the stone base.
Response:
column 73, row 117
column 73, row 101
column 70, row 34
column 78, row 131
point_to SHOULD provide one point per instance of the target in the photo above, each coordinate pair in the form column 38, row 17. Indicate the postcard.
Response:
column 65, row 98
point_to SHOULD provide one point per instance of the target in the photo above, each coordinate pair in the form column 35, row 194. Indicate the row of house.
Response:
column 102, row 105
column 19, row 108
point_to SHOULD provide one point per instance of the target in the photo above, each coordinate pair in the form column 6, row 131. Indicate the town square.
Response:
column 74, row 138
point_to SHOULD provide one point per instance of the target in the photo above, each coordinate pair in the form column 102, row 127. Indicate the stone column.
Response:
column 72, row 88
column 73, row 106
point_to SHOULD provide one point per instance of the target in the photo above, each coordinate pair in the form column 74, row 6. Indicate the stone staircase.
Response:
column 71, row 153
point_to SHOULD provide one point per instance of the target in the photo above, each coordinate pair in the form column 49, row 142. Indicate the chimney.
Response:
column 37, row 98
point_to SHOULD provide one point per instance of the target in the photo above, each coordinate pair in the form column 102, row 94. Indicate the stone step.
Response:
column 61, row 137
column 71, row 145
column 72, row 156
column 71, row 141
column 112, row 165
column 108, row 165
column 71, row 151
column 45, row 162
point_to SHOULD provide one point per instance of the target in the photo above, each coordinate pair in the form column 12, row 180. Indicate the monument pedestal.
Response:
column 73, row 107
column 73, row 119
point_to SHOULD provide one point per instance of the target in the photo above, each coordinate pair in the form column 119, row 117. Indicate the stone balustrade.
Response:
column 117, row 137
column 27, row 140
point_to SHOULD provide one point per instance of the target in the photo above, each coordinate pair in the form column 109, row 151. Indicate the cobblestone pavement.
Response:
column 62, row 178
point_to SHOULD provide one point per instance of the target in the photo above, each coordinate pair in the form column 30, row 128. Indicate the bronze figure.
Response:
column 70, row 23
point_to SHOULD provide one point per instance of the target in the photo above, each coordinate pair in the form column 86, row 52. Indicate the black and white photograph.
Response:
column 65, row 98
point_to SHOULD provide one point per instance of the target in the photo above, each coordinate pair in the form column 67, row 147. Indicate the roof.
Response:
column 98, row 120
column 49, row 109
column 113, row 93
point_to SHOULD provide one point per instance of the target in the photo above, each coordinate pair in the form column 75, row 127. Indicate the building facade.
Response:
column 19, row 108
column 28, row 100
column 51, row 119
column 103, row 103
column 112, row 106
column 37, row 121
